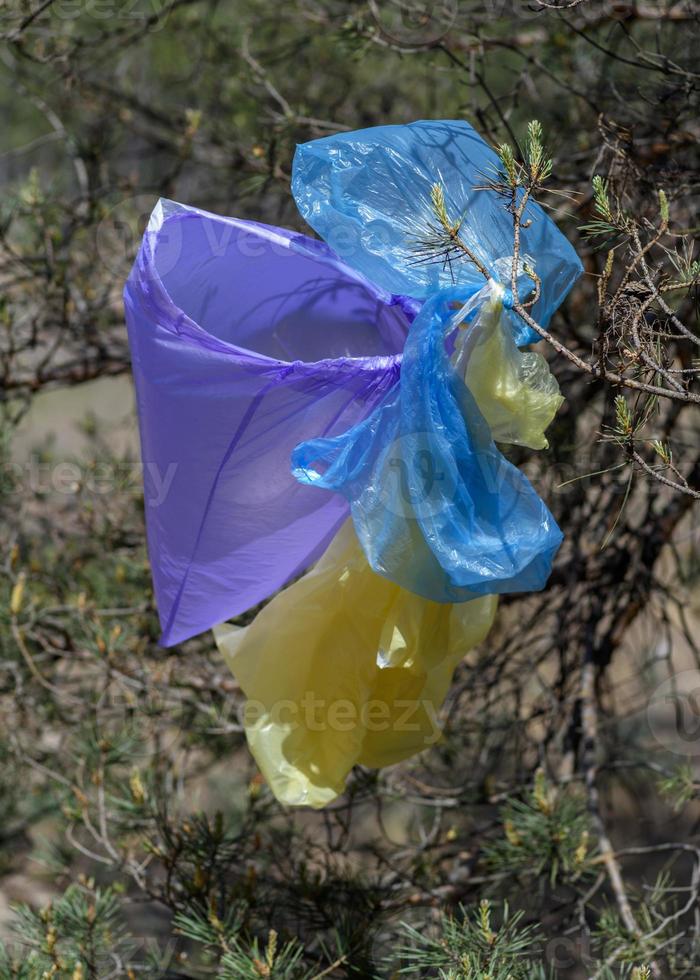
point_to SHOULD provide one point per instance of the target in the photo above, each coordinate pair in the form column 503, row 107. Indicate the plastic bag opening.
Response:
column 279, row 295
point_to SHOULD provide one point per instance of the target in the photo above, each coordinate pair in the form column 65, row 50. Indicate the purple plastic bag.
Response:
column 246, row 340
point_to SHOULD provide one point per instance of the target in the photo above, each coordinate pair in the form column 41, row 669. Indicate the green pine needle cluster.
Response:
column 545, row 834
column 679, row 787
column 238, row 959
column 656, row 911
column 535, row 168
column 472, row 945
column 610, row 222
column 80, row 935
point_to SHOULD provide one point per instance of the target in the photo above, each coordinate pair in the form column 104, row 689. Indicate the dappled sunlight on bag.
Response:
column 344, row 667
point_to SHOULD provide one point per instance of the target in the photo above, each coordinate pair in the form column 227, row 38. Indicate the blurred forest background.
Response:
column 553, row 832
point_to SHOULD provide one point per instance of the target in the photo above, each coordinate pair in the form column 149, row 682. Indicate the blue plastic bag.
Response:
column 436, row 506
column 368, row 195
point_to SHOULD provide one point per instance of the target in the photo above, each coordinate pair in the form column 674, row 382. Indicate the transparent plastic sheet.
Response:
column 516, row 392
column 345, row 668
column 437, row 507
column 245, row 339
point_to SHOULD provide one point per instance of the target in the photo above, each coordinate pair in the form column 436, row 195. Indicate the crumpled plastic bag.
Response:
column 342, row 668
column 516, row 392
column 437, row 507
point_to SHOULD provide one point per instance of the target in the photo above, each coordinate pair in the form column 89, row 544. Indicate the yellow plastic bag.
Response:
column 345, row 667
column 516, row 392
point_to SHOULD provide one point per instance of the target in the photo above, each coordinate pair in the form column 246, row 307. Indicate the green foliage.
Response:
column 658, row 913
column 437, row 197
column 685, row 265
column 534, row 169
column 471, row 947
column 624, row 424
column 601, row 197
column 237, row 958
column 611, row 224
column 545, row 834
column 507, row 155
column 80, row 935
column 679, row 787
column 538, row 163
column 253, row 962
